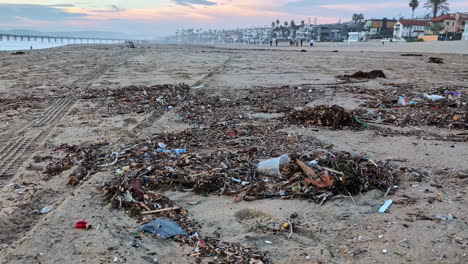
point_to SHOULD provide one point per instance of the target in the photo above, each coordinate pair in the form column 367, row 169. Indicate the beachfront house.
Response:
column 336, row 32
column 305, row 33
column 357, row 36
column 257, row 35
column 281, row 32
column 380, row 27
column 249, row 35
column 449, row 26
column 405, row 28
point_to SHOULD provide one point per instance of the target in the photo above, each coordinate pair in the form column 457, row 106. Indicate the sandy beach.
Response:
column 98, row 94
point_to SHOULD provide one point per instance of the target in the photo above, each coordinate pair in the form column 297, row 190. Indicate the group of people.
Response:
column 293, row 42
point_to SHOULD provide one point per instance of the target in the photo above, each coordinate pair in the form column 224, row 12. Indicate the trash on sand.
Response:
column 150, row 259
column 445, row 217
column 436, row 60
column 268, row 242
column 404, row 102
column 384, row 251
column 164, row 227
column 434, row 97
column 453, row 93
column 198, row 87
column 272, row 166
column 172, row 151
column 367, row 75
column 18, row 53
column 385, row 206
column 47, row 209
column 82, row 225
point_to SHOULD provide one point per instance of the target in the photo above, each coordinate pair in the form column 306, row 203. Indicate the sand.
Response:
column 338, row 231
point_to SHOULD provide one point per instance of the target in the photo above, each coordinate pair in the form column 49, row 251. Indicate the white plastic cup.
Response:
column 272, row 166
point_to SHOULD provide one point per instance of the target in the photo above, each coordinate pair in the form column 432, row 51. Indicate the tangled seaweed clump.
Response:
column 330, row 116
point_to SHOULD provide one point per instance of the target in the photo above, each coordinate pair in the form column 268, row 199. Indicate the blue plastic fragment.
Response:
column 385, row 206
column 173, row 151
column 164, row 227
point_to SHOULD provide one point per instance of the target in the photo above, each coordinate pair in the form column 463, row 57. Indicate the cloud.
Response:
column 111, row 9
column 311, row 3
column 193, row 2
column 10, row 13
column 117, row 9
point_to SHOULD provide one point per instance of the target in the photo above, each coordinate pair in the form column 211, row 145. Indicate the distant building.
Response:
column 335, row 32
column 449, row 23
column 357, row 36
column 410, row 28
column 305, row 32
column 380, row 27
column 465, row 32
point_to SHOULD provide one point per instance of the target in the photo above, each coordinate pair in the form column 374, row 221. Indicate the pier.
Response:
column 63, row 39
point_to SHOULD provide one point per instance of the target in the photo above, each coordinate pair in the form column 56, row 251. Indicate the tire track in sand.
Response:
column 16, row 148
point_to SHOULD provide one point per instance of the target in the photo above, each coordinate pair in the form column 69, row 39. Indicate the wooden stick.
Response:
column 352, row 198
column 290, row 230
column 160, row 210
column 308, row 170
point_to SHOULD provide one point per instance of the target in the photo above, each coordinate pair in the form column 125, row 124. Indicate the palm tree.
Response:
column 360, row 17
column 436, row 6
column 286, row 23
column 273, row 24
column 413, row 4
column 277, row 22
column 302, row 23
column 293, row 24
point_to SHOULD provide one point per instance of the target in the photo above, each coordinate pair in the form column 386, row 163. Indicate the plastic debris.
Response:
column 82, row 225
column 385, row 206
column 150, row 259
column 453, row 93
column 445, row 217
column 272, row 166
column 46, row 209
column 384, row 251
column 403, row 102
column 164, row 227
column 172, row 151
column 268, row 242
column 434, row 97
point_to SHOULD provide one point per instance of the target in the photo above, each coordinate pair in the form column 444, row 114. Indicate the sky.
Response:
column 149, row 18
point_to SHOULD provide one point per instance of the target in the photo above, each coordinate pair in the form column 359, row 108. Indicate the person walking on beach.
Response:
column 271, row 42
column 301, row 42
column 276, row 42
column 312, row 42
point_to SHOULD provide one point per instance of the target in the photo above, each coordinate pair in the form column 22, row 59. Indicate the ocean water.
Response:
column 25, row 45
